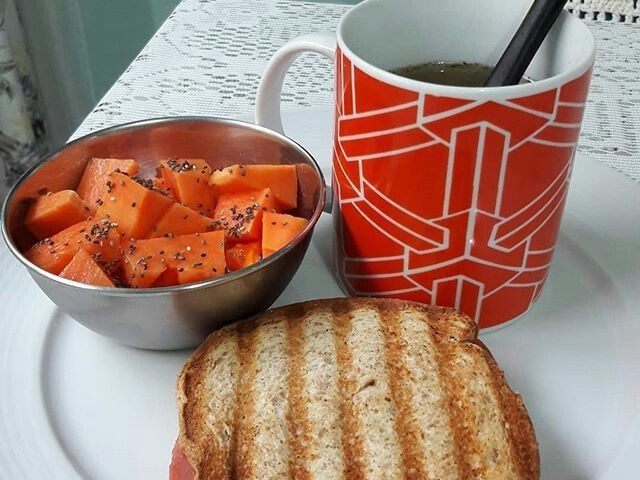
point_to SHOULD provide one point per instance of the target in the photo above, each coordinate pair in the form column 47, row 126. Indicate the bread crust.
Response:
column 213, row 458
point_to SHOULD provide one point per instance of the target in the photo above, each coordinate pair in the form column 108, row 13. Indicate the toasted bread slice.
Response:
column 350, row 389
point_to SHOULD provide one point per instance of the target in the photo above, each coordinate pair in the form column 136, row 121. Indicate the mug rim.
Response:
column 471, row 93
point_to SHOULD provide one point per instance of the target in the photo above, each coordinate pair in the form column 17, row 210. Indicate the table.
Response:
column 208, row 56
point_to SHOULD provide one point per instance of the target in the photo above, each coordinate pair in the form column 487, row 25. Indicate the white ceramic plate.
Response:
column 76, row 405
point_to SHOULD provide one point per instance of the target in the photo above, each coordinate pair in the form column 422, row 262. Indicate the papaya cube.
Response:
column 242, row 255
column 281, row 179
column 52, row 213
column 132, row 206
column 142, row 266
column 168, row 278
column 84, row 269
column 182, row 259
column 240, row 214
column 188, row 181
column 278, row 230
column 180, row 220
column 100, row 238
column 91, row 186
column 161, row 186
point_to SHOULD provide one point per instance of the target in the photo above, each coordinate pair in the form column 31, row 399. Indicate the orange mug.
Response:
column 443, row 194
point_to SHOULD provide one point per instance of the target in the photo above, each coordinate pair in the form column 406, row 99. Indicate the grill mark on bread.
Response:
column 241, row 465
column 223, row 367
column 490, row 428
column 299, row 428
column 320, row 394
column 521, row 433
column 453, row 392
column 471, row 446
column 423, row 422
column 503, row 459
column 371, row 397
column 271, row 453
column 395, row 346
column 204, row 456
column 485, row 447
column 518, row 428
column 352, row 444
column 430, row 397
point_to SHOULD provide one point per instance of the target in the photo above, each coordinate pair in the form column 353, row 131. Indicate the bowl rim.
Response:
column 153, row 291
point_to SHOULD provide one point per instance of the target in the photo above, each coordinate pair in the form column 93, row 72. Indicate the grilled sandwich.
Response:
column 350, row 389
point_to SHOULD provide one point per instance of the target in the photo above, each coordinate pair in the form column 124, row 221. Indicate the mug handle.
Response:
column 270, row 88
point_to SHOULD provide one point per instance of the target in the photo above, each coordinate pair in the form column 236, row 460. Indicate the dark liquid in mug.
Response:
column 456, row 74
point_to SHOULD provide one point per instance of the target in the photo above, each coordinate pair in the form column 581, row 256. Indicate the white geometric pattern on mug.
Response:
column 509, row 233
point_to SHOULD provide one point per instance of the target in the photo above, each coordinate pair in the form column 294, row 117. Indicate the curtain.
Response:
column 22, row 138
column 627, row 11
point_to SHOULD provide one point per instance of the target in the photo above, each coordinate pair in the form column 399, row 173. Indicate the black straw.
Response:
column 525, row 43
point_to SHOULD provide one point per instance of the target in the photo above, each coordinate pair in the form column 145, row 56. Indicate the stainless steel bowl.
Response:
column 170, row 317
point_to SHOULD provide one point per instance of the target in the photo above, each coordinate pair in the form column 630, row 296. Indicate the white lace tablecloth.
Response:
column 208, row 57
